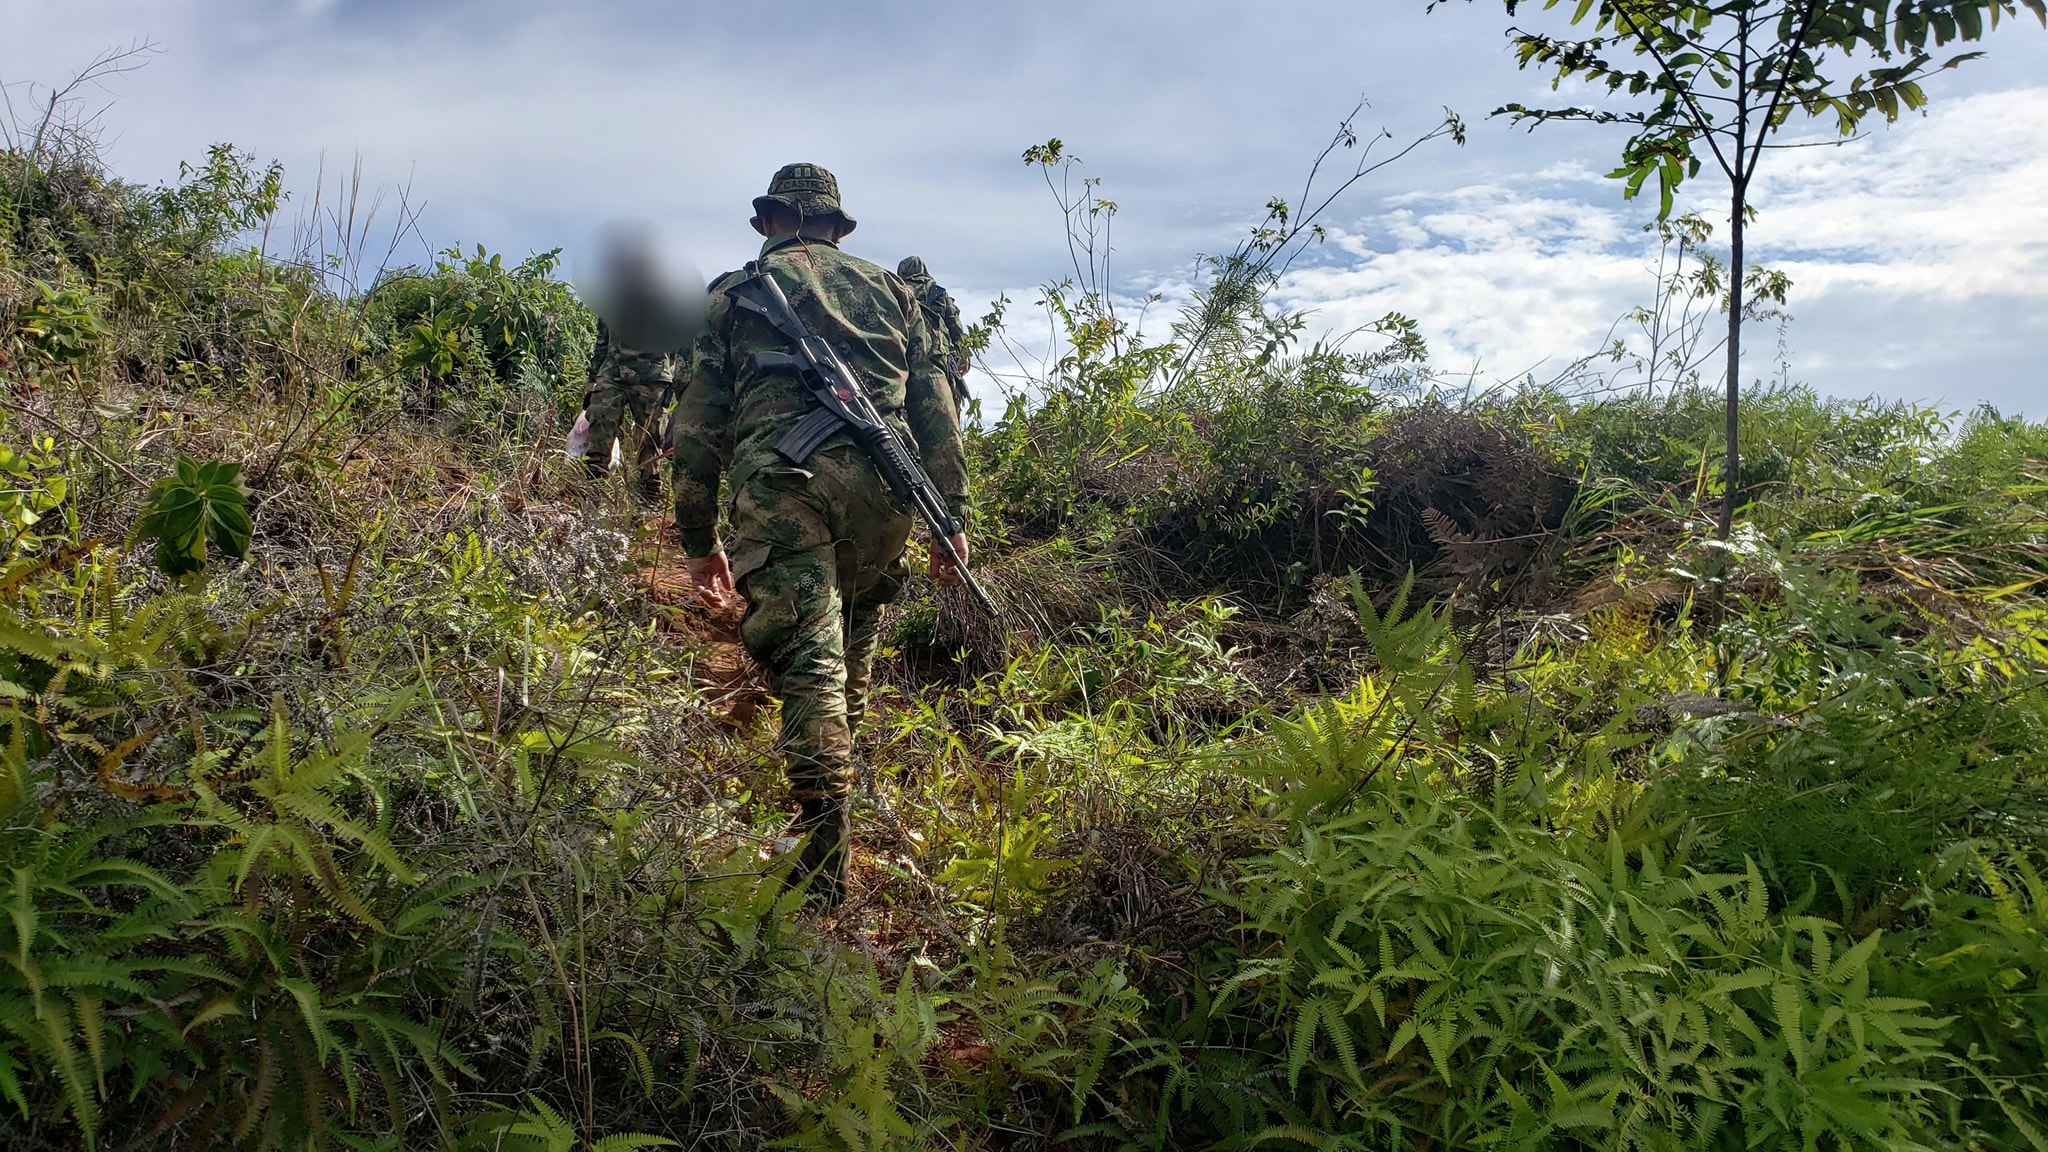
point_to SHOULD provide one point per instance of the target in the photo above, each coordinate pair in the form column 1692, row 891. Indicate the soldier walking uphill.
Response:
column 942, row 322
column 818, row 548
column 627, row 390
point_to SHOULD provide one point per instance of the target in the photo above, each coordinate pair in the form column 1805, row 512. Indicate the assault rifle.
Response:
column 843, row 403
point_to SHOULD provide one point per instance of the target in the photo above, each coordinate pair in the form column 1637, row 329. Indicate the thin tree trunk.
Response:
column 1738, row 197
column 1732, row 468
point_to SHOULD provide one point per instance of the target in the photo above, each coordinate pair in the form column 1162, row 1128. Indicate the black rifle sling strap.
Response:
column 821, row 422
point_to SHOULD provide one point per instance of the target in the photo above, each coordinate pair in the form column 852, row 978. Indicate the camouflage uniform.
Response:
column 625, row 396
column 818, row 549
column 942, row 320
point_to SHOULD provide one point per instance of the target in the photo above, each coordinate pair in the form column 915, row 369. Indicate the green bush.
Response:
column 197, row 507
column 1425, row 971
column 495, row 339
column 1854, row 751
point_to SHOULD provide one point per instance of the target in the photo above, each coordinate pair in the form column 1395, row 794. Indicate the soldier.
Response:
column 628, row 388
column 942, row 319
column 817, row 549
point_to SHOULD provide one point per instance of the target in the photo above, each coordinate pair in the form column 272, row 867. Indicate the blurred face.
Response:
column 629, row 266
column 651, row 301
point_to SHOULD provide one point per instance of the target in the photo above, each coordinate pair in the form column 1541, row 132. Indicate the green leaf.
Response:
column 197, row 507
column 627, row 1141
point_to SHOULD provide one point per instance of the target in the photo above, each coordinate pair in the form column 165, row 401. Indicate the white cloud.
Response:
column 1918, row 253
column 1949, row 206
column 1913, row 230
column 1500, row 280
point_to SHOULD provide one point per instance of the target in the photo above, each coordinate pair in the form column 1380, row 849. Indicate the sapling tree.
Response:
column 1716, row 81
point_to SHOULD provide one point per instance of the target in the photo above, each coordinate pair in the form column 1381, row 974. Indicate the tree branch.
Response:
column 1770, row 122
column 79, row 438
column 1699, row 116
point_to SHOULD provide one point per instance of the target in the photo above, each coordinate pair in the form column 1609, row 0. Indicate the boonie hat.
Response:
column 806, row 189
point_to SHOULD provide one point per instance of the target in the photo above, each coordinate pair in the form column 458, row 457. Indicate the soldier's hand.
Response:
column 711, row 576
column 942, row 569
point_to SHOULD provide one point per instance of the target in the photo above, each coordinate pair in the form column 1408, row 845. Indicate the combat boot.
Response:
column 822, row 866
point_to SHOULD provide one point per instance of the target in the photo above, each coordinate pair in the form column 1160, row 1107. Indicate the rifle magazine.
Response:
column 804, row 437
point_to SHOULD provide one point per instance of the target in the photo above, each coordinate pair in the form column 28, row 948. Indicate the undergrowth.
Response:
column 1359, row 768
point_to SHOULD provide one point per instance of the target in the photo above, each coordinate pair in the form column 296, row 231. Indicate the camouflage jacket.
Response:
column 942, row 317
column 730, row 414
column 610, row 360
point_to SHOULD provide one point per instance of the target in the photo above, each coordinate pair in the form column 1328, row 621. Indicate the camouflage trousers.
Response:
column 818, row 552
column 628, row 411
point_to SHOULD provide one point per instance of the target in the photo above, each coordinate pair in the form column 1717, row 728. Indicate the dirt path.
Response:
column 723, row 672
column 893, row 913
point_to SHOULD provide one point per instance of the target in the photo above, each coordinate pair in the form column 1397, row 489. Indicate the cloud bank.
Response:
column 1919, row 261
column 519, row 124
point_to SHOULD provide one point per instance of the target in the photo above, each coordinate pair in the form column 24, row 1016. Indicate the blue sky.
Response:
column 1920, row 256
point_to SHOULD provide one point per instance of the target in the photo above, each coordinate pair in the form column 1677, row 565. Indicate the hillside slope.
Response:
column 1352, row 769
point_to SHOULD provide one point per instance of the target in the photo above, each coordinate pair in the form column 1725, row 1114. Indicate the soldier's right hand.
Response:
column 711, row 576
column 942, row 569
